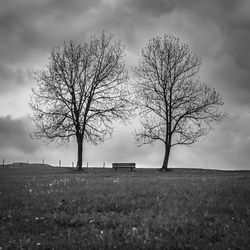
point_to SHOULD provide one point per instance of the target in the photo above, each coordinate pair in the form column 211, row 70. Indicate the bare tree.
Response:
column 80, row 94
column 175, row 107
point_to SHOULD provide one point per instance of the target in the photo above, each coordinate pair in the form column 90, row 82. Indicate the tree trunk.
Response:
column 166, row 158
column 79, row 154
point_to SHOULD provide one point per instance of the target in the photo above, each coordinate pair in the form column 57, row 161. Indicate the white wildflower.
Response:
column 134, row 231
column 117, row 180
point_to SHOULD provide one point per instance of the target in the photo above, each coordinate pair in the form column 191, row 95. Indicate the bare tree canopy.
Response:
column 175, row 107
column 83, row 90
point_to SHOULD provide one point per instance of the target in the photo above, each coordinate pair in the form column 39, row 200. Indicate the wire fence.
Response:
column 59, row 163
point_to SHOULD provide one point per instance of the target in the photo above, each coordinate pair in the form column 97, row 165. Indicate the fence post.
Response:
column 104, row 165
column 60, row 163
column 87, row 164
column 72, row 164
column 43, row 160
column 3, row 161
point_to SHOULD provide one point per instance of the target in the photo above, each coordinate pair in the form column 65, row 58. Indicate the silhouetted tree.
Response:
column 82, row 91
column 175, row 107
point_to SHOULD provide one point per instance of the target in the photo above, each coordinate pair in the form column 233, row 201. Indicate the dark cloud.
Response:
column 15, row 135
column 10, row 79
column 199, row 7
column 27, row 26
column 7, row 74
column 236, row 84
column 17, row 145
column 156, row 8
column 218, row 31
column 232, row 18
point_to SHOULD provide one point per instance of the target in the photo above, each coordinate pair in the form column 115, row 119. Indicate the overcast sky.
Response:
column 217, row 30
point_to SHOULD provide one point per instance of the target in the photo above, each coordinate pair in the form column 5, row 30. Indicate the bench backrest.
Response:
column 123, row 165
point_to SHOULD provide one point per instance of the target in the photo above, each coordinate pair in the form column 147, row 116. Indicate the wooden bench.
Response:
column 123, row 165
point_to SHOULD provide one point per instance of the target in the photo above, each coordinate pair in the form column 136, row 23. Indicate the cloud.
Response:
column 17, row 145
column 15, row 134
column 232, row 19
column 227, row 146
column 123, row 148
column 155, row 8
column 29, row 27
column 10, row 79
column 218, row 31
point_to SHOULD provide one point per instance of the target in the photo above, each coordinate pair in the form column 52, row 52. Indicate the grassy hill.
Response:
column 44, row 207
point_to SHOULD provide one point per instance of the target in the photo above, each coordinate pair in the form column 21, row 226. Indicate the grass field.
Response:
column 42, row 207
